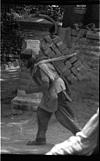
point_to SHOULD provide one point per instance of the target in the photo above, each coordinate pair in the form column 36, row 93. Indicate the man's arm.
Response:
column 42, row 86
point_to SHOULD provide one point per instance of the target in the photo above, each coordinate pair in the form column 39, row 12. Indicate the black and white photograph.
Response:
column 49, row 78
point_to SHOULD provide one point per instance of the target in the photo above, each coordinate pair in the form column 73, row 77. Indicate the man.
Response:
column 85, row 142
column 54, row 98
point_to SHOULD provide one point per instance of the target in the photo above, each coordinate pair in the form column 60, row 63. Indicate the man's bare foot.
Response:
column 37, row 142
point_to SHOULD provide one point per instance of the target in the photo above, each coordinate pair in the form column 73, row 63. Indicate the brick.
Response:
column 83, row 71
column 65, row 52
column 80, row 68
column 58, row 53
column 80, row 76
column 77, row 63
column 74, row 78
column 74, row 70
column 52, row 54
column 49, row 53
column 68, row 64
column 66, row 72
column 92, row 35
column 71, row 78
column 59, row 64
column 56, row 39
column 44, row 45
column 59, row 43
column 61, row 46
column 48, row 39
column 54, row 48
column 73, row 59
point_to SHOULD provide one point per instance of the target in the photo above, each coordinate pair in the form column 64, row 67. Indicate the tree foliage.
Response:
column 11, row 39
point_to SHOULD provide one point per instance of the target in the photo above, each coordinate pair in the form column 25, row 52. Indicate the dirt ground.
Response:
column 17, row 129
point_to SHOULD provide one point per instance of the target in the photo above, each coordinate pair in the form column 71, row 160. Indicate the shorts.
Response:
column 50, row 104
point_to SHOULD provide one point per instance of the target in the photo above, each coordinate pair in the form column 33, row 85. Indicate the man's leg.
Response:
column 65, row 114
column 65, row 119
column 43, row 119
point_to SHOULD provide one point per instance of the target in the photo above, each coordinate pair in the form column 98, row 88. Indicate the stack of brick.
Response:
column 72, row 68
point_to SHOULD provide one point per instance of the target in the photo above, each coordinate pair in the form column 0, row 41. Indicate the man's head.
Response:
column 28, row 56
